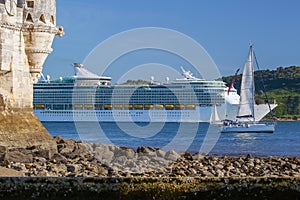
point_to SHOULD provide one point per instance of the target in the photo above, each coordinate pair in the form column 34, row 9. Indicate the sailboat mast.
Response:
column 253, row 87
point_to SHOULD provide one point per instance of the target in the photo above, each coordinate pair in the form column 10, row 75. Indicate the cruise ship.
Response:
column 89, row 97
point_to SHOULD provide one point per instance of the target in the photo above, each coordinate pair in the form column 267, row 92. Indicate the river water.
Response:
column 192, row 137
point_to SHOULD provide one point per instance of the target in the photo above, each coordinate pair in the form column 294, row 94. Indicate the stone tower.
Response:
column 27, row 30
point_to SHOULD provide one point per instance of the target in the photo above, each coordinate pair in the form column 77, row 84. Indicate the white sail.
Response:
column 214, row 117
column 246, row 109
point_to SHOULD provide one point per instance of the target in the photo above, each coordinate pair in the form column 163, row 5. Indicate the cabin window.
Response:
column 42, row 18
column 29, row 18
column 30, row 4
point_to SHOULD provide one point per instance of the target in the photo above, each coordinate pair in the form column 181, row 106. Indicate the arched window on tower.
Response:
column 29, row 18
column 42, row 18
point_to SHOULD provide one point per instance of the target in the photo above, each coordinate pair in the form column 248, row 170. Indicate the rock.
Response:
column 101, row 171
column 4, row 172
column 249, row 156
column 237, row 164
column 193, row 171
column 219, row 173
column 124, row 151
column 160, row 161
column 81, row 149
column 198, row 156
column 187, row 156
column 66, row 147
column 143, row 158
column 205, row 173
column 104, row 154
column 5, row 163
column 142, row 149
column 147, row 151
column 120, row 160
column 219, row 166
column 58, row 158
column 3, row 152
column 292, row 166
column 160, row 153
column 44, row 153
column 72, row 168
column 29, row 166
column 130, row 153
column 180, row 173
column 172, row 155
column 131, row 164
column 14, row 155
column 39, row 159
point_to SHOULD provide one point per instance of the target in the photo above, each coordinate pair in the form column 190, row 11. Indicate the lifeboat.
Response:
column 169, row 106
column 78, row 106
column 39, row 106
column 179, row 107
column 148, row 106
column 159, row 106
column 107, row 106
column 118, row 106
column 88, row 106
column 138, row 106
column 128, row 106
column 190, row 106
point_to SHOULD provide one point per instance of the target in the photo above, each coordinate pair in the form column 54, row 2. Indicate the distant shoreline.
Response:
column 280, row 120
column 287, row 120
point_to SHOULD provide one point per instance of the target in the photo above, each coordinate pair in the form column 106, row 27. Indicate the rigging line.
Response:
column 264, row 87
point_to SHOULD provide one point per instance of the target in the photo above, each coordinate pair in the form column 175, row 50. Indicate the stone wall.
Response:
column 26, row 36
column 27, row 30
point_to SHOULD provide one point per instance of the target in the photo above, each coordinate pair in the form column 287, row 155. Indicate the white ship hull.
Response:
column 199, row 114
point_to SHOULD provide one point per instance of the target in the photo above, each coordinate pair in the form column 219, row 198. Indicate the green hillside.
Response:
column 282, row 85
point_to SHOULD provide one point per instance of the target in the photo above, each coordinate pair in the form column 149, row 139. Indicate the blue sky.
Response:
column 223, row 28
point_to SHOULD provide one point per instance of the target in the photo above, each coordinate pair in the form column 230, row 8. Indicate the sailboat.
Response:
column 245, row 121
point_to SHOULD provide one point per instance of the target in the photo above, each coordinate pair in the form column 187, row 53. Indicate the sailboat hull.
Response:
column 248, row 128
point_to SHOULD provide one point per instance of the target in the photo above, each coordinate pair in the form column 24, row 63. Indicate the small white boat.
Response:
column 247, row 127
column 245, row 121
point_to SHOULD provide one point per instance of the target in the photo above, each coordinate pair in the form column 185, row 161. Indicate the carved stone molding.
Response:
column 43, row 51
column 44, row 29
column 9, row 26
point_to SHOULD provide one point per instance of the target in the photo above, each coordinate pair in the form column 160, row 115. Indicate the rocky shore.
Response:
column 75, row 160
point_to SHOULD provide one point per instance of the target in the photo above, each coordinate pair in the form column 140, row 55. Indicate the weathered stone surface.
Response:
column 58, row 158
column 16, row 156
column 26, row 36
column 3, row 152
column 5, row 172
column 23, row 129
